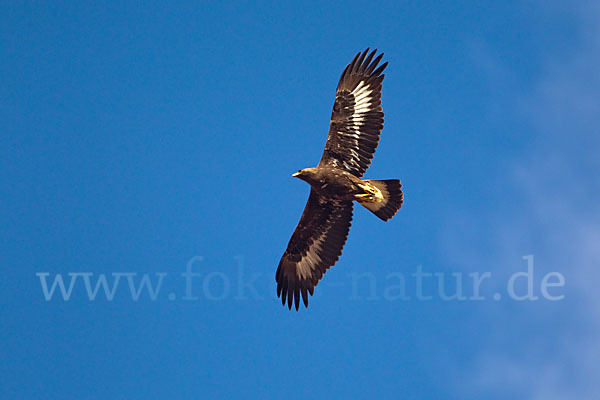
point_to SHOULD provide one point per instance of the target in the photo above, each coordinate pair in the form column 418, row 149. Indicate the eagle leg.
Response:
column 372, row 195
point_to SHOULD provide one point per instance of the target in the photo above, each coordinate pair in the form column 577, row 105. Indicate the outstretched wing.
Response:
column 356, row 119
column 316, row 245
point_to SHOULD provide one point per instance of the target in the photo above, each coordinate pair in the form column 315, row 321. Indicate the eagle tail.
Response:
column 386, row 207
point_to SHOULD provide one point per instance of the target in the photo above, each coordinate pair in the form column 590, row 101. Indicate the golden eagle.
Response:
column 356, row 122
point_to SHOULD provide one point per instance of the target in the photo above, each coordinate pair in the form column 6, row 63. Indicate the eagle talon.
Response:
column 373, row 194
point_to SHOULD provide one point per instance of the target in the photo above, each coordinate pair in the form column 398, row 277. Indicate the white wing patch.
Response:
column 362, row 105
column 311, row 259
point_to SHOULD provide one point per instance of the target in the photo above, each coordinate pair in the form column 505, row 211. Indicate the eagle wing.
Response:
column 357, row 118
column 316, row 245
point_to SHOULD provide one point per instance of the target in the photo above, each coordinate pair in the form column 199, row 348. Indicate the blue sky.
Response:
column 140, row 138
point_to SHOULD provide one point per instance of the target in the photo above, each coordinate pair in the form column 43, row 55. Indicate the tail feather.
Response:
column 392, row 198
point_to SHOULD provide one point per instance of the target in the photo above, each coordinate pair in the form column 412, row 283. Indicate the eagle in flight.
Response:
column 356, row 122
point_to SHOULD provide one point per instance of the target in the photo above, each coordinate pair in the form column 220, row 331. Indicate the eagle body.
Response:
column 332, row 183
column 356, row 123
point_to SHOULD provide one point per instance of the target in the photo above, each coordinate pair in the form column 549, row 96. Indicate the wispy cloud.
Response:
column 557, row 186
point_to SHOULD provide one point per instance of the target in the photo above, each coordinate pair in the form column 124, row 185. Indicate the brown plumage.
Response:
column 356, row 123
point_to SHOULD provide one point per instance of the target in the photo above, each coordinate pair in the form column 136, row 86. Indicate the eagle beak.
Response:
column 295, row 174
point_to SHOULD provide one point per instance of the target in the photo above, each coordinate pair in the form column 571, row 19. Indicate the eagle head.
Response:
column 305, row 174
